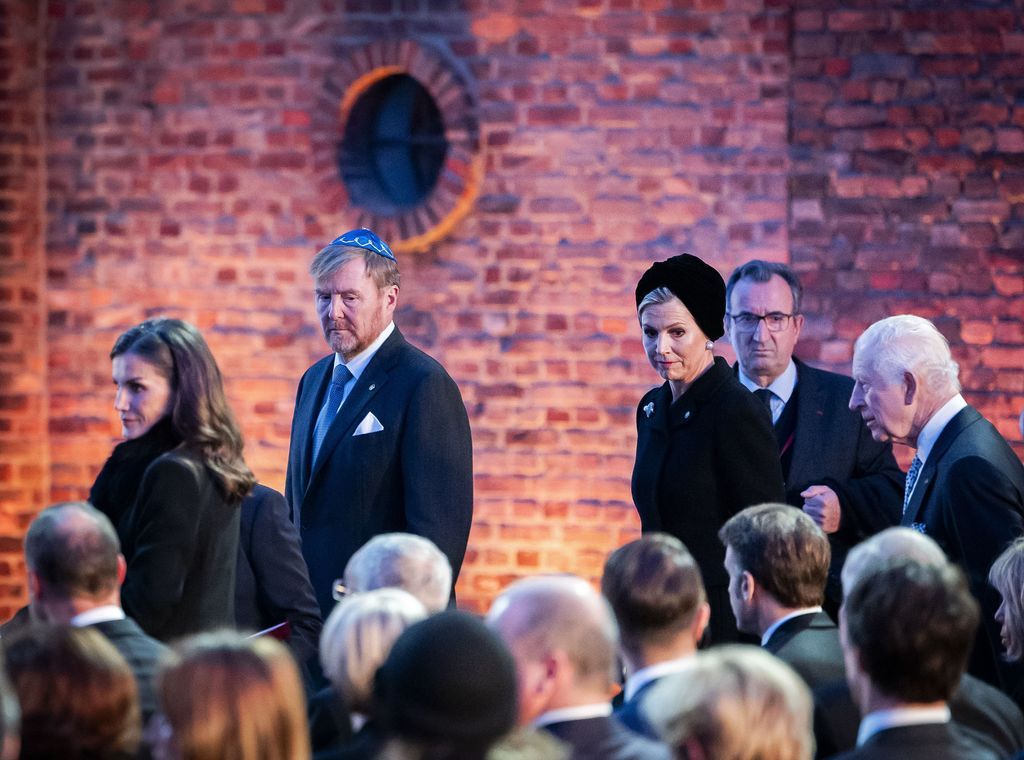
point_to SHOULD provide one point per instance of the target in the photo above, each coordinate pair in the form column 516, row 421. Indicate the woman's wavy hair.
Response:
column 200, row 414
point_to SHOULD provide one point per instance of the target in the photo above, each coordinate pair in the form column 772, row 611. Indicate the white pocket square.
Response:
column 370, row 424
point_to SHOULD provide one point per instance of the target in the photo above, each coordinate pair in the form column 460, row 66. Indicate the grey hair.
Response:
column 908, row 343
column 891, row 544
column 405, row 561
column 757, row 270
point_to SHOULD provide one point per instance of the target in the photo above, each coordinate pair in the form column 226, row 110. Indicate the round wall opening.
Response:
column 394, row 147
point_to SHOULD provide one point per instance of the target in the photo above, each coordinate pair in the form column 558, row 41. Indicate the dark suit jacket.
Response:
column 699, row 461
column 415, row 475
column 272, row 584
column 810, row 645
column 606, row 739
column 833, row 447
column 936, row 741
column 969, row 497
column 980, row 711
column 630, row 715
column 142, row 653
column 180, row 538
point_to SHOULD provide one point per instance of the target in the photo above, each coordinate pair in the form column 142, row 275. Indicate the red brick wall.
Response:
column 24, row 453
column 186, row 176
column 907, row 193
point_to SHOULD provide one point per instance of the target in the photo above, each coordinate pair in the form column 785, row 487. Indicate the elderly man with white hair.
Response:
column 400, row 560
column 965, row 486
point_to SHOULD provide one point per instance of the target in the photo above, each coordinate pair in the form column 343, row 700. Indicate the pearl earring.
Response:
column 709, row 345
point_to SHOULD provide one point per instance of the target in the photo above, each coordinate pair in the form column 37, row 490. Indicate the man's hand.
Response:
column 822, row 505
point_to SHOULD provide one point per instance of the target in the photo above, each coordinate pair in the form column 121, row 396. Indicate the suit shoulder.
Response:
column 825, row 378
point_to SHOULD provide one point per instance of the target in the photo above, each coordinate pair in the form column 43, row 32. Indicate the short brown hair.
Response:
column 329, row 260
column 78, row 696
column 785, row 551
column 654, row 587
column 913, row 625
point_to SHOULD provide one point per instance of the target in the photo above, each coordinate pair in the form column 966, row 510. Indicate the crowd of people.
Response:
column 794, row 593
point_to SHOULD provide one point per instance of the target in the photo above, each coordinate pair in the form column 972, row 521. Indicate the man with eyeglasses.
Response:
column 380, row 437
column 846, row 481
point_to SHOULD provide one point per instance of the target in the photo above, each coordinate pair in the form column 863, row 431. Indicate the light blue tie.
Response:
column 335, row 395
column 912, row 473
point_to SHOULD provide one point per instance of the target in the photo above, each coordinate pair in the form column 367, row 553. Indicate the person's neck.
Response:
column 63, row 611
column 679, row 387
column 646, row 656
column 928, row 409
column 763, row 380
column 876, row 701
column 769, row 611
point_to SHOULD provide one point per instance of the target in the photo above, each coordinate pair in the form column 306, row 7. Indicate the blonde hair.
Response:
column 228, row 697
column 736, row 702
column 358, row 636
column 1007, row 575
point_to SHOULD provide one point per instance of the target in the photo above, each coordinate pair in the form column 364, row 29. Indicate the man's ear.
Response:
column 747, row 586
column 122, row 569
column 909, row 388
column 701, row 620
column 33, row 586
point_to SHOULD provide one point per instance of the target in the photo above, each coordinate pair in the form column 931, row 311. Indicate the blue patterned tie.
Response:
column 912, row 473
column 335, row 395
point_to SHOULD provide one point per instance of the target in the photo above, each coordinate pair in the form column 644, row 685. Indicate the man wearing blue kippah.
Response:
column 380, row 438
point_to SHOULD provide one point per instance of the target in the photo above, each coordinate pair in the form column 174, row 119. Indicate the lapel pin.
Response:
column 372, row 386
column 686, row 415
column 649, row 409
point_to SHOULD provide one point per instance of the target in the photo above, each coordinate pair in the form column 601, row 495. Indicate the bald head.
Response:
column 536, row 616
column 891, row 544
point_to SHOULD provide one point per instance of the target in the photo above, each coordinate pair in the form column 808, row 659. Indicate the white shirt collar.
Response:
column 358, row 363
column 651, row 673
column 934, row 427
column 900, row 716
column 102, row 614
column 577, row 712
column 781, row 387
column 795, row 613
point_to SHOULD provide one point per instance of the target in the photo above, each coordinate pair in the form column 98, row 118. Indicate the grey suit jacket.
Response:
column 810, row 645
column 413, row 475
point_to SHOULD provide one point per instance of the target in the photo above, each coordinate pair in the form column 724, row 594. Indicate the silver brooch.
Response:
column 649, row 408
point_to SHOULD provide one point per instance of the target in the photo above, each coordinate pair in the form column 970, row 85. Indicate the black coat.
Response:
column 142, row 653
column 699, row 461
column 415, row 474
column 934, row 741
column 810, row 645
column 273, row 583
column 981, row 711
column 969, row 497
column 833, row 447
column 180, row 538
column 605, row 739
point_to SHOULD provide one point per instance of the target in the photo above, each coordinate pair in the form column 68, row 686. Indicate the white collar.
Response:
column 782, row 386
column 880, row 720
column 933, row 428
column 651, row 673
column 358, row 363
column 576, row 712
column 775, row 626
column 102, row 614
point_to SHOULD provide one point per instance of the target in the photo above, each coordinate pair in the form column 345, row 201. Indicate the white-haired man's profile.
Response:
column 401, row 560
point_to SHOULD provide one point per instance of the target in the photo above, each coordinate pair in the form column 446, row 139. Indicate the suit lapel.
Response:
column 309, row 408
column 963, row 419
column 811, row 427
column 353, row 410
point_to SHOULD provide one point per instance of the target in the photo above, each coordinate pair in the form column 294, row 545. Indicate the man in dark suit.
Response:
column 906, row 629
column 965, row 486
column 777, row 559
column 271, row 580
column 380, row 438
column 979, row 710
column 562, row 637
column 75, row 570
column 848, row 482
column 656, row 592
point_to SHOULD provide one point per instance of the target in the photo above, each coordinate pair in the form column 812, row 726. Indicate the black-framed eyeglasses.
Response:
column 338, row 589
column 775, row 321
column 367, row 240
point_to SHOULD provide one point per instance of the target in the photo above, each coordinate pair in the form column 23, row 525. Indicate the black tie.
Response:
column 766, row 397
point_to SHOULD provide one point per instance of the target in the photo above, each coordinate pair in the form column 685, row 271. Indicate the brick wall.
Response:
column 185, row 151
column 907, row 126
column 24, row 474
